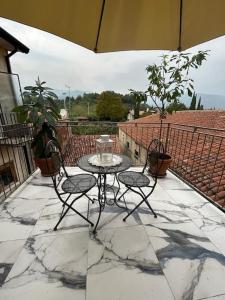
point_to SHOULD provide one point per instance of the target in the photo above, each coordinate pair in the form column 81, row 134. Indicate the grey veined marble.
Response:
column 52, row 267
column 194, row 267
column 177, row 256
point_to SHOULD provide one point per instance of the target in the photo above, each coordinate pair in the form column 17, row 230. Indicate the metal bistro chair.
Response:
column 72, row 185
column 136, row 181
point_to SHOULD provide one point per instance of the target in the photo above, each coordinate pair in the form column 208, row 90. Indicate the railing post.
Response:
column 167, row 136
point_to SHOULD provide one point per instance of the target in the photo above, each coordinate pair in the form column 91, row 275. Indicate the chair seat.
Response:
column 134, row 179
column 78, row 183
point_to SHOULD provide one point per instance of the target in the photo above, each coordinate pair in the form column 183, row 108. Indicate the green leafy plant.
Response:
column 170, row 79
column 138, row 98
column 40, row 109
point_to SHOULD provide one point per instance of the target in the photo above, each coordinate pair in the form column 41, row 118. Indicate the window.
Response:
column 136, row 154
column 7, row 175
column 128, row 144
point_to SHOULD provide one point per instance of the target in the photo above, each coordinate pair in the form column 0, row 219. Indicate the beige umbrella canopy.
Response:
column 114, row 25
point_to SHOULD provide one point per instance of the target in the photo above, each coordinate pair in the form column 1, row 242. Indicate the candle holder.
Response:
column 104, row 146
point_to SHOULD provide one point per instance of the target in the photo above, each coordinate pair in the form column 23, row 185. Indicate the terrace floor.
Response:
column 179, row 255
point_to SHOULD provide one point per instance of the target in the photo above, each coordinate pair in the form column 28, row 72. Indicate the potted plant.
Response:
column 158, row 160
column 40, row 109
column 168, row 81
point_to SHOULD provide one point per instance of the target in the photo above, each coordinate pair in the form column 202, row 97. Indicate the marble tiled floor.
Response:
column 179, row 255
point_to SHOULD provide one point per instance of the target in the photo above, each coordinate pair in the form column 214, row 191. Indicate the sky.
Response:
column 61, row 63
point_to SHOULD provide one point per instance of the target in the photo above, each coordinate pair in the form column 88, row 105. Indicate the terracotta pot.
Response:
column 49, row 166
column 160, row 168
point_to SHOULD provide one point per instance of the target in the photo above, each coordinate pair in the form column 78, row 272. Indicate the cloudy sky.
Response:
column 61, row 63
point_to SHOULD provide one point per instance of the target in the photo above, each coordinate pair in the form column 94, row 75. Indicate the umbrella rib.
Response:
column 180, row 31
column 99, row 26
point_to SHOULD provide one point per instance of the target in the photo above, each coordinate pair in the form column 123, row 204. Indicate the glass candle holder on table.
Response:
column 104, row 146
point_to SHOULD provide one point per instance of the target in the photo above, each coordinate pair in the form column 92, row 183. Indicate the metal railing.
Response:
column 78, row 139
column 198, row 153
column 16, row 158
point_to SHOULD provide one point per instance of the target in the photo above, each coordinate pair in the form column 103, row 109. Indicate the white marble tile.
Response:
column 218, row 297
column 123, row 265
column 70, row 223
column 186, row 197
column 27, row 211
column 214, row 229
column 9, row 252
column 52, row 267
column 35, row 191
column 193, row 266
column 112, row 216
column 166, row 212
column 54, row 206
column 13, row 230
column 122, row 262
column 202, row 210
column 171, row 182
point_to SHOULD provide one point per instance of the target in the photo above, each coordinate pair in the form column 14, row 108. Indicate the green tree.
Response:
column 109, row 107
column 175, row 107
column 193, row 102
column 169, row 80
column 138, row 99
column 199, row 106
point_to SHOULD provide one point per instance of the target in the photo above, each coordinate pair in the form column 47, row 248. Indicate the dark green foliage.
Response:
column 193, row 102
column 41, row 110
column 110, row 107
column 169, row 80
column 95, row 129
column 138, row 98
column 175, row 107
column 199, row 106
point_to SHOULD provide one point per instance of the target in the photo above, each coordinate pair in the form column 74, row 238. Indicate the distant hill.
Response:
column 208, row 101
column 65, row 93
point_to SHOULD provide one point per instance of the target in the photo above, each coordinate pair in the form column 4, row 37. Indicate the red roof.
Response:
column 198, row 153
column 204, row 118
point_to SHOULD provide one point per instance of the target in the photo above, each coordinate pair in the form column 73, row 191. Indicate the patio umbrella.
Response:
column 114, row 25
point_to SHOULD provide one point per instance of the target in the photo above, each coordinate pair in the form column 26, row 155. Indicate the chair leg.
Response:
column 145, row 199
column 124, row 219
column 89, row 198
column 69, row 206
column 100, row 207
column 149, row 206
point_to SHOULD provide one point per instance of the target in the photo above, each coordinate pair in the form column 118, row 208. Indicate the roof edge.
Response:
column 13, row 41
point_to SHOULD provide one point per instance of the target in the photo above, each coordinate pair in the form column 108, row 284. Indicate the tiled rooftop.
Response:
column 205, row 118
column 179, row 255
column 198, row 154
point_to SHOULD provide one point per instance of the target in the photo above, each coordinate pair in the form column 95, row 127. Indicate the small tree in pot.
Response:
column 40, row 109
column 168, row 81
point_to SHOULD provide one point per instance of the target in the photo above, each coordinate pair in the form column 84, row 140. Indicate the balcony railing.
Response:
column 198, row 155
column 16, row 158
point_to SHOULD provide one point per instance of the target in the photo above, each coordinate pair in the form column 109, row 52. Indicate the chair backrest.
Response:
column 55, row 162
column 154, row 152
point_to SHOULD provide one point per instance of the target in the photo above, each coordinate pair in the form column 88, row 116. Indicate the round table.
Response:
column 102, row 172
column 83, row 163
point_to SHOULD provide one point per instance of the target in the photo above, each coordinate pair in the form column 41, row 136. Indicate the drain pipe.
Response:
column 7, row 60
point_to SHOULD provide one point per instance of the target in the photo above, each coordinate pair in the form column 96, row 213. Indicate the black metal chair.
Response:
column 71, row 185
column 136, row 181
